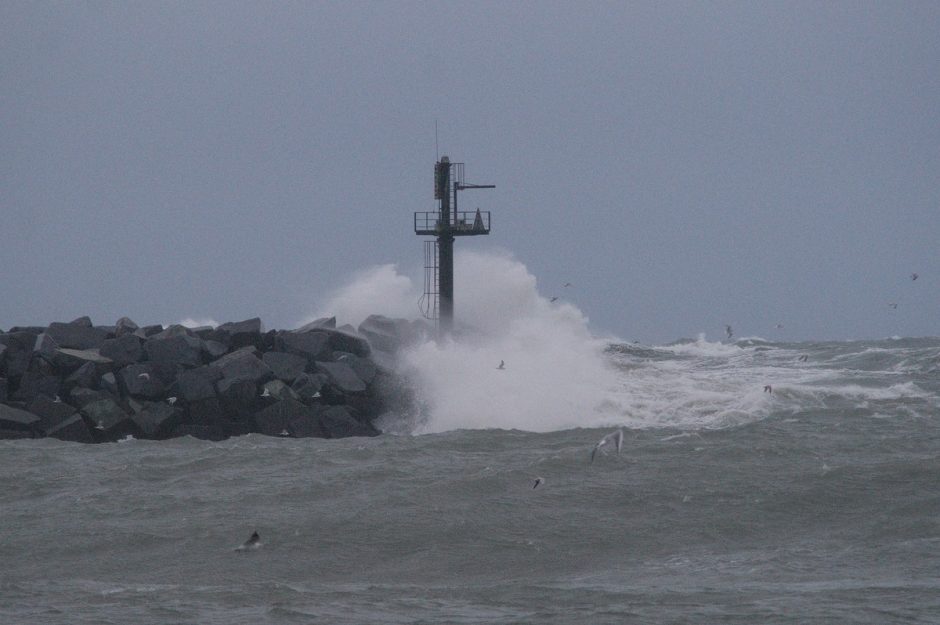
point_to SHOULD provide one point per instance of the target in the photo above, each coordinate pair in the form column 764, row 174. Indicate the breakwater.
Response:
column 88, row 383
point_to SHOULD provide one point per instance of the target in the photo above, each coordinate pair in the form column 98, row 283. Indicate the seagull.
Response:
column 316, row 395
column 253, row 542
column 893, row 305
column 567, row 284
column 57, row 400
column 779, row 326
column 266, row 393
column 502, row 365
column 538, row 481
column 768, row 389
column 171, row 400
column 914, row 276
column 554, row 299
column 143, row 376
column 284, row 433
column 804, row 358
column 613, row 437
column 729, row 331
column 100, row 425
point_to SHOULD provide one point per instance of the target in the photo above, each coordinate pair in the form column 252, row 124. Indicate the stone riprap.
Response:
column 85, row 383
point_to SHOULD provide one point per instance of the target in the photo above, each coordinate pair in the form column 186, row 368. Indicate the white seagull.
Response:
column 613, row 437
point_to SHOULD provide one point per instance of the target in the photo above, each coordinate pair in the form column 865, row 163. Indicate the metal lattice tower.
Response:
column 446, row 223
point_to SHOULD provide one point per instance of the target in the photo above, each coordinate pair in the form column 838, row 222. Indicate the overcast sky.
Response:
column 684, row 165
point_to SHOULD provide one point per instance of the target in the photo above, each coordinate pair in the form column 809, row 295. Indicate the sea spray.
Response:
column 555, row 374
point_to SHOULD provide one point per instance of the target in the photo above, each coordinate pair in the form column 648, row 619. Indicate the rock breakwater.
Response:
column 82, row 382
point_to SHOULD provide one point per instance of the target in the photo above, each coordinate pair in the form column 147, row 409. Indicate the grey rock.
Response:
column 109, row 384
column 140, row 380
column 174, row 348
column 50, row 412
column 241, row 333
column 386, row 334
column 85, row 376
column 286, row 367
column 346, row 339
column 123, row 350
column 199, row 383
column 33, row 383
column 148, row 331
column 308, row 386
column 280, row 391
column 338, row 422
column 214, row 349
column 124, row 326
column 76, row 336
column 276, row 418
column 306, row 425
column 111, row 422
column 157, row 420
column 45, row 347
column 342, row 376
column 243, row 364
column 80, row 397
column 4, row 390
column 84, row 321
column 363, row 367
column 69, row 360
column 19, row 349
column 323, row 322
column 72, row 429
column 311, row 345
column 16, row 419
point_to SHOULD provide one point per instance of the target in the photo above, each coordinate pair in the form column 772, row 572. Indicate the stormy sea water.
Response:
column 815, row 502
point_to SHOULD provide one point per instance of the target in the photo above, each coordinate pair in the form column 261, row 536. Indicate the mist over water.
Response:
column 558, row 375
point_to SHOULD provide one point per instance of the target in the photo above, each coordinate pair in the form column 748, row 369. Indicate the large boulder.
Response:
column 141, row 380
column 286, row 367
column 19, row 420
column 241, row 333
column 311, row 345
column 275, row 419
column 77, row 334
column 308, row 386
column 18, row 352
column 4, row 390
column 386, row 334
column 157, row 420
column 339, row 422
column 342, row 376
column 198, row 383
column 364, row 368
column 50, row 411
column 174, row 348
column 124, row 326
column 244, row 364
column 69, row 360
column 72, row 429
column 123, row 350
column 33, row 383
column 111, row 422
column 45, row 347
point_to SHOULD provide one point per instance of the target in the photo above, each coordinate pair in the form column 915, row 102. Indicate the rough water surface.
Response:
column 816, row 503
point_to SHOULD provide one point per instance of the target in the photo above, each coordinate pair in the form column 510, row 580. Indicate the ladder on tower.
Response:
column 430, row 305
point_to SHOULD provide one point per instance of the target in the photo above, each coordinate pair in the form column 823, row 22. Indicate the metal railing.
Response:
column 462, row 222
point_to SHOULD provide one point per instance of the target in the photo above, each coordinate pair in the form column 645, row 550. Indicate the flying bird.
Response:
column 914, row 276
column 612, row 438
column 538, row 481
column 893, row 305
column 729, row 331
column 554, row 299
column 502, row 365
column 804, row 358
column 567, row 284
column 768, row 389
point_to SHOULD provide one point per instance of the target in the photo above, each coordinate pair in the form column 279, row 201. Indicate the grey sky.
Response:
column 685, row 165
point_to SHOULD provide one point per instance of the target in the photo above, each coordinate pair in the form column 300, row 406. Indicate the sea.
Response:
column 758, row 482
